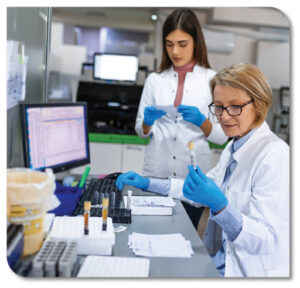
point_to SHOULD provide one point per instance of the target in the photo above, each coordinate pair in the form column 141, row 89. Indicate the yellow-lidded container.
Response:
column 29, row 195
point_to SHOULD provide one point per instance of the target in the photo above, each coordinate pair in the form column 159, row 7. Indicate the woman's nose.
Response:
column 225, row 116
column 175, row 49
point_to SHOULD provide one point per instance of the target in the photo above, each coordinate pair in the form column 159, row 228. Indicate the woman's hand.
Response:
column 133, row 179
column 151, row 114
column 191, row 114
column 199, row 188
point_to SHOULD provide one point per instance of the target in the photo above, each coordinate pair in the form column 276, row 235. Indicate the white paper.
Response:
column 164, row 245
column 16, row 64
column 148, row 205
column 120, row 229
column 138, row 201
column 170, row 110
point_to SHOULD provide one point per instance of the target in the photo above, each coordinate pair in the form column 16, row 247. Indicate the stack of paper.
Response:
column 148, row 205
column 165, row 245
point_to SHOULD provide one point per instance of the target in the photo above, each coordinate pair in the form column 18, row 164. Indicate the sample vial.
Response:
column 105, row 203
column 192, row 154
column 86, row 215
column 129, row 194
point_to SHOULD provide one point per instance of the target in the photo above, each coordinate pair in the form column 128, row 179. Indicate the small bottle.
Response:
column 86, row 215
column 192, row 154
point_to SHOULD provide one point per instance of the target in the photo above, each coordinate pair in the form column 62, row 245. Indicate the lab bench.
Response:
column 199, row 265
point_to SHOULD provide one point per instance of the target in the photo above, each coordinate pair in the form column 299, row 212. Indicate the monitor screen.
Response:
column 55, row 135
column 115, row 67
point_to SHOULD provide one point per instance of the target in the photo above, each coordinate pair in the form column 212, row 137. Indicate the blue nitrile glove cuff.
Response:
column 191, row 114
column 151, row 114
column 222, row 203
column 133, row 179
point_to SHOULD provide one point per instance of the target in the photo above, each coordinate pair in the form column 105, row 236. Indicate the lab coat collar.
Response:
column 238, row 143
column 197, row 68
column 258, row 132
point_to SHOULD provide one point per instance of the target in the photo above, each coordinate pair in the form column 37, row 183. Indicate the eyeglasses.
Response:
column 233, row 110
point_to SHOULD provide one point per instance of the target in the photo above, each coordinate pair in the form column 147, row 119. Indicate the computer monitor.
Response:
column 115, row 67
column 55, row 135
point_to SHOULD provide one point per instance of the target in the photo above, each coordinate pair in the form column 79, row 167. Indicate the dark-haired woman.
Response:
column 182, row 81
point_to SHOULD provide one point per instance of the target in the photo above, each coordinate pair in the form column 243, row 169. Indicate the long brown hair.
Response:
column 185, row 20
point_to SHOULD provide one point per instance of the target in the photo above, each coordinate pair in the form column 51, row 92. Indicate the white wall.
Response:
column 273, row 59
column 65, row 59
column 244, row 51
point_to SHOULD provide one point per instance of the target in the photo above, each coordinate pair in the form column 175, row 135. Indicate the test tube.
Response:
column 96, row 198
column 192, row 154
column 105, row 203
column 129, row 194
column 112, row 199
column 86, row 215
column 101, row 197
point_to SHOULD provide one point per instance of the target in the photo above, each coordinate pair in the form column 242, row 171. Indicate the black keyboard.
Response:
column 95, row 191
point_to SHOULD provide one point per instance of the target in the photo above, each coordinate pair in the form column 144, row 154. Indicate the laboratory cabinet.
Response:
column 133, row 157
column 107, row 158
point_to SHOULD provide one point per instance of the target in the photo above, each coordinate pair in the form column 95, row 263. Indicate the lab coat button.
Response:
column 174, row 157
column 173, row 91
column 174, row 174
column 175, row 139
column 175, row 121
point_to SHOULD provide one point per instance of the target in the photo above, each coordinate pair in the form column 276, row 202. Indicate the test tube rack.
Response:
column 55, row 259
column 95, row 191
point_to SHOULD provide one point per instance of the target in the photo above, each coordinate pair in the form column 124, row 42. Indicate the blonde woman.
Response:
column 248, row 191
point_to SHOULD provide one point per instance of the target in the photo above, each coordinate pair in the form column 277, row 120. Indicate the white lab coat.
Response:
column 167, row 153
column 259, row 189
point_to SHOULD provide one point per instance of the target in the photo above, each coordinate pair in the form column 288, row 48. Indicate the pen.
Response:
column 84, row 176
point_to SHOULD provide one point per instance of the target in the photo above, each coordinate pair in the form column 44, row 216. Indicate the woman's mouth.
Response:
column 176, row 59
column 228, row 126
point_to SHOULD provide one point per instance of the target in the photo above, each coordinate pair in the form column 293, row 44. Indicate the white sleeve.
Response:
column 147, row 99
column 176, row 192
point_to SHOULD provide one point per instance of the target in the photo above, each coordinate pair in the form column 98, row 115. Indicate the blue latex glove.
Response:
column 199, row 188
column 133, row 179
column 191, row 114
column 151, row 114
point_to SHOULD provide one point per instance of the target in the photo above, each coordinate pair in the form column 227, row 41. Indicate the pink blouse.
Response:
column 181, row 77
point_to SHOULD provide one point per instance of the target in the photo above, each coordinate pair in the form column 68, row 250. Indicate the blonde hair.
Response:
column 249, row 78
